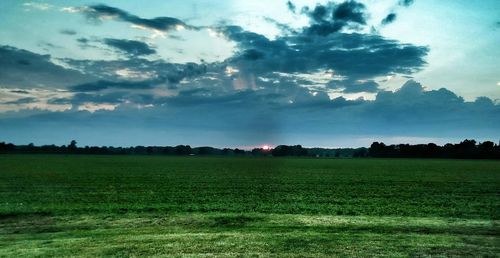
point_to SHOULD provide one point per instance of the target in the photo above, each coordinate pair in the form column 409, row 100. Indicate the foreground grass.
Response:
column 195, row 206
column 232, row 234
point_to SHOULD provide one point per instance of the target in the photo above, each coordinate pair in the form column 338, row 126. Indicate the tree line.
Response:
column 467, row 149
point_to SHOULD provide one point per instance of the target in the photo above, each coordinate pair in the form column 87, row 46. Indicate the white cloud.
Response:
column 39, row 99
column 38, row 6
column 72, row 9
column 231, row 70
column 127, row 73
column 93, row 107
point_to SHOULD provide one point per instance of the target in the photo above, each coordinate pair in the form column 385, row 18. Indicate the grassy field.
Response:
column 202, row 206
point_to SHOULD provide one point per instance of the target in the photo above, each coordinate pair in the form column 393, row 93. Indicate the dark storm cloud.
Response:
column 412, row 93
column 331, row 17
column 159, row 69
column 284, row 28
column 268, row 72
column 97, row 12
column 83, row 40
column 291, row 6
column 24, row 69
column 358, row 56
column 350, row 11
column 85, row 43
column 117, row 97
column 102, row 85
column 390, row 18
column 282, row 98
column 130, row 47
column 268, row 85
column 440, row 109
column 47, row 46
column 323, row 46
column 406, row 3
column 112, row 98
column 247, row 39
column 20, row 91
column 350, row 86
column 203, row 97
column 21, row 101
column 68, row 32
column 59, row 101
column 248, row 115
column 252, row 54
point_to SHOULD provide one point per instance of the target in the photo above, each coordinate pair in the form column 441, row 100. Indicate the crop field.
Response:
column 63, row 205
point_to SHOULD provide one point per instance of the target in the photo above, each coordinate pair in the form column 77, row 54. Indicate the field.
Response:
column 58, row 205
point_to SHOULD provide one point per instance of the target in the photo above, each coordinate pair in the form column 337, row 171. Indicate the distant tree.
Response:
column 285, row 150
column 227, row 151
column 3, row 147
column 466, row 149
column 360, row 153
column 183, row 150
column 72, row 147
column 486, row 149
column 432, row 151
column 31, row 148
column 260, row 152
column 239, row 152
column 205, row 150
column 377, row 150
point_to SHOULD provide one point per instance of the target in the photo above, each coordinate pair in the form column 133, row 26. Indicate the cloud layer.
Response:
column 130, row 47
column 298, row 84
column 101, row 12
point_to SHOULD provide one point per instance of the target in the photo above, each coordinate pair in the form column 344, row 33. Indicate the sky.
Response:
column 249, row 73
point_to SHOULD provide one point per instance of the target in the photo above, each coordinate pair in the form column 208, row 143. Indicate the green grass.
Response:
column 202, row 206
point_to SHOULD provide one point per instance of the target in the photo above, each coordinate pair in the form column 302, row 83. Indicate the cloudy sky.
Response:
column 249, row 73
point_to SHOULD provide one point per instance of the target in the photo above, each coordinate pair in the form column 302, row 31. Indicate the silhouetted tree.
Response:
column 72, row 147
column 469, row 149
column 285, row 150
column 360, row 153
column 239, row 152
column 183, row 150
